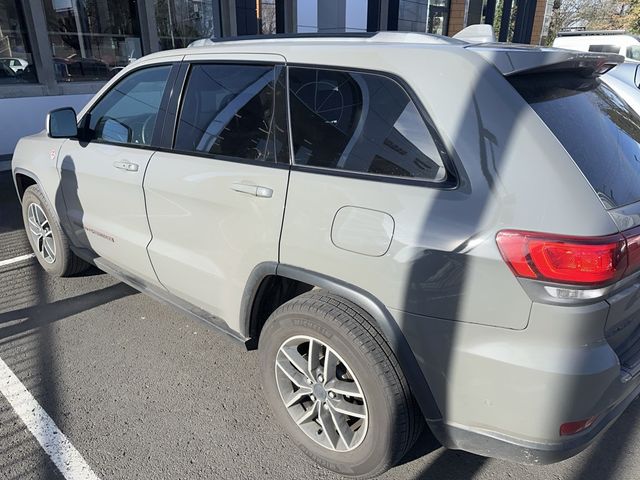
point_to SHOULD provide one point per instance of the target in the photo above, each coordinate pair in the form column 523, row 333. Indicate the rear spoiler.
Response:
column 520, row 59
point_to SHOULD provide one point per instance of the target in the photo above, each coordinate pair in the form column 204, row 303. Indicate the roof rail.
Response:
column 582, row 33
column 278, row 36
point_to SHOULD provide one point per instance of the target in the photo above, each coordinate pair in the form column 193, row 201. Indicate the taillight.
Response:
column 570, row 260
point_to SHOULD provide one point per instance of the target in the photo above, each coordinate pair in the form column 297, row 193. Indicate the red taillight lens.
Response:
column 633, row 251
column 559, row 259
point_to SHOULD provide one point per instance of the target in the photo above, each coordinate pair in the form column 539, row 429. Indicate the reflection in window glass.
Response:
column 16, row 64
column 235, row 111
column 127, row 114
column 431, row 16
column 180, row 22
column 331, row 16
column 360, row 123
column 92, row 39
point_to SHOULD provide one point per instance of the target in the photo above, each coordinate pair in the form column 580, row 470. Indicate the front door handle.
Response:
column 128, row 166
column 255, row 190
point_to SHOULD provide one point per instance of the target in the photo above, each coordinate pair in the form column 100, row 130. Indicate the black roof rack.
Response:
column 278, row 36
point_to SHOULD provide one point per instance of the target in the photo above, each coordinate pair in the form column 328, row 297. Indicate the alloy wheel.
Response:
column 321, row 393
column 41, row 233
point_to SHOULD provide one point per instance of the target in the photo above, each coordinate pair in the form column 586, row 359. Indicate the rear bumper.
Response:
column 505, row 393
column 522, row 451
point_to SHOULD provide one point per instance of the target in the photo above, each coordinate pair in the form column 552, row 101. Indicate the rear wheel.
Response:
column 335, row 385
column 49, row 243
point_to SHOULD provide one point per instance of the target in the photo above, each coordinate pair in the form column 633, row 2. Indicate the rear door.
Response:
column 216, row 196
column 101, row 175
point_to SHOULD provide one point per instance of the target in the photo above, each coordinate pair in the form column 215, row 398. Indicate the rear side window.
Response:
column 234, row 112
column 360, row 122
column 599, row 130
column 605, row 48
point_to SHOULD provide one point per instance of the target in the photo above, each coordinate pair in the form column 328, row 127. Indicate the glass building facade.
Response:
column 53, row 47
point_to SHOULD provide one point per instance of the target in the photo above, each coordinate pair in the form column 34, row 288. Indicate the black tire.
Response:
column 394, row 420
column 66, row 262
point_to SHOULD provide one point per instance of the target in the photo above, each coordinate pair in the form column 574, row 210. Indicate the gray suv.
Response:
column 411, row 229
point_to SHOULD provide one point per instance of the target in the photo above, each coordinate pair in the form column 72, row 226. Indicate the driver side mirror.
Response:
column 62, row 123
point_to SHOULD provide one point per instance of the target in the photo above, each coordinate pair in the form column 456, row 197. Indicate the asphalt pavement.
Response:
column 144, row 392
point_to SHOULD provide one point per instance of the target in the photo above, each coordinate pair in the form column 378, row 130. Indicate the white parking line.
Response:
column 53, row 441
column 21, row 258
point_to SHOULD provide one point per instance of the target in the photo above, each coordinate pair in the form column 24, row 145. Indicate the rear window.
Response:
column 598, row 129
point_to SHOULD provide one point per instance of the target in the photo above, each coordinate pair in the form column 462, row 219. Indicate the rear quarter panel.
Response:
column 443, row 260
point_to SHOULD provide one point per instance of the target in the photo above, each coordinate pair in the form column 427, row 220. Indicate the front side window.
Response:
column 234, row 112
column 128, row 112
column 360, row 122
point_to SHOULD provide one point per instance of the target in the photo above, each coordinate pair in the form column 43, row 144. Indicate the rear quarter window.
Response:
column 598, row 129
column 360, row 122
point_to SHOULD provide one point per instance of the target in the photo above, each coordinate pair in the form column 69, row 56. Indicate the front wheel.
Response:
column 335, row 385
column 47, row 239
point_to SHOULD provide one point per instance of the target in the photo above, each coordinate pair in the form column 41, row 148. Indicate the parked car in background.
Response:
column 601, row 41
column 77, row 68
column 460, row 249
column 15, row 64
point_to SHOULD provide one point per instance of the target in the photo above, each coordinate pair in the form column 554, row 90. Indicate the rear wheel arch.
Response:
column 271, row 285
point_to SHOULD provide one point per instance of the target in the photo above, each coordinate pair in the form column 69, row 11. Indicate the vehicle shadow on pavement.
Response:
column 448, row 463
column 28, row 345
column 606, row 459
column 39, row 315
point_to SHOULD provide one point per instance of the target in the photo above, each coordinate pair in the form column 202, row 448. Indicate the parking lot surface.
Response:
column 143, row 392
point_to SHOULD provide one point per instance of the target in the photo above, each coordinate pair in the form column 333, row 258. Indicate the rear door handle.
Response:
column 128, row 166
column 255, row 190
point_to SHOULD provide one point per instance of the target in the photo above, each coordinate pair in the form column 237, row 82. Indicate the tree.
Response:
column 590, row 15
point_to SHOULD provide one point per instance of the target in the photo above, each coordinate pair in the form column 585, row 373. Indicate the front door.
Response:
column 101, row 175
column 216, row 202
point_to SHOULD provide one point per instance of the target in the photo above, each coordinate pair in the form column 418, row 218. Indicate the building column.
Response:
column 36, row 24
column 543, row 9
column 148, row 26
column 457, row 16
column 525, row 13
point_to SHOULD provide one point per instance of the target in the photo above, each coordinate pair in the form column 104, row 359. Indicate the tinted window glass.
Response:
column 605, row 48
column 633, row 52
column 235, row 111
column 128, row 112
column 598, row 129
column 361, row 123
